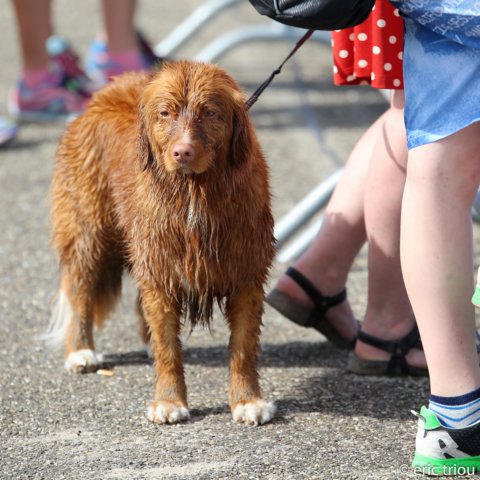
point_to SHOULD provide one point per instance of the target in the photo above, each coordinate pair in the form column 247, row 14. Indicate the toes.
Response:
column 82, row 361
column 167, row 412
column 255, row 412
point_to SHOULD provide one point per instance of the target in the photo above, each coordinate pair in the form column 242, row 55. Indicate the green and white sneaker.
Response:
column 445, row 451
column 476, row 294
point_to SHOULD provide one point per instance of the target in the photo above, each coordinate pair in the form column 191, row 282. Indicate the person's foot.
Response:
column 415, row 357
column 74, row 77
column 57, row 92
column 47, row 100
column 339, row 316
column 445, row 451
column 101, row 66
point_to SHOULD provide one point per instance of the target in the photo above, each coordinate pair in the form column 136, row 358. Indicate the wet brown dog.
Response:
column 163, row 176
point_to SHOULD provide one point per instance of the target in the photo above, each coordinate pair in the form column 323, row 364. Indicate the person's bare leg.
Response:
column 389, row 314
column 34, row 27
column 437, row 256
column 329, row 258
column 118, row 17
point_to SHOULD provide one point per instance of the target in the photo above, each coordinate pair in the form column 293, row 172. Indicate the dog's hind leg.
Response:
column 85, row 299
column 88, row 243
column 244, row 316
column 163, row 319
column 80, row 354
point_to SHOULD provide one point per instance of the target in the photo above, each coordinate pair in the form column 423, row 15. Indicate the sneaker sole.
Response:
column 445, row 466
column 8, row 136
column 38, row 117
column 42, row 117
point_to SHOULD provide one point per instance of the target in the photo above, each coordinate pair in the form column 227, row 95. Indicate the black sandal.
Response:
column 397, row 365
column 307, row 316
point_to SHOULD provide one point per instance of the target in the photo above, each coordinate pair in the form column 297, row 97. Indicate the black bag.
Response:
column 316, row 14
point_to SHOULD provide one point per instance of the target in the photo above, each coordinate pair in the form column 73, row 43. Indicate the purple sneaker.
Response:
column 75, row 79
column 48, row 101
column 100, row 68
column 63, row 93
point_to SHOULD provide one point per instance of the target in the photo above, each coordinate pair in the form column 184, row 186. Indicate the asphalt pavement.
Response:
column 330, row 424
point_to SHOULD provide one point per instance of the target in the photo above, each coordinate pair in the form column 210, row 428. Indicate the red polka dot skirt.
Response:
column 371, row 53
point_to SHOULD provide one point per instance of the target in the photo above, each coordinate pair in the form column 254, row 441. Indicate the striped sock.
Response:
column 456, row 412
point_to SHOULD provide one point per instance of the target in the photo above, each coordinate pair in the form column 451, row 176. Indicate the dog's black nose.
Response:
column 183, row 152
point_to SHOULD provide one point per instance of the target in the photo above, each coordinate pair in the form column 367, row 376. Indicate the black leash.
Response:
column 267, row 82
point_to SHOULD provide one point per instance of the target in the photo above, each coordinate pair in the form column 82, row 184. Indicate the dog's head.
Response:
column 193, row 119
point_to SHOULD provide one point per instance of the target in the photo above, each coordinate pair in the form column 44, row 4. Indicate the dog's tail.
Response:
column 62, row 312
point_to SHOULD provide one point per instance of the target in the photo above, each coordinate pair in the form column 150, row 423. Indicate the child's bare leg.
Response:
column 436, row 253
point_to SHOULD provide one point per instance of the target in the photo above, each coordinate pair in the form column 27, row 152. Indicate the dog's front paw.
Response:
column 254, row 412
column 83, row 361
column 161, row 411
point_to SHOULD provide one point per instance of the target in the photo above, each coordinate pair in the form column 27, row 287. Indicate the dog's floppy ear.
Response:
column 243, row 136
column 144, row 149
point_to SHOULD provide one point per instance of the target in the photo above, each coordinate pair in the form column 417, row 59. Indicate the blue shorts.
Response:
column 441, row 67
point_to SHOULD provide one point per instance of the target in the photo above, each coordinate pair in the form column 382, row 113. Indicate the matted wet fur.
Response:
column 163, row 176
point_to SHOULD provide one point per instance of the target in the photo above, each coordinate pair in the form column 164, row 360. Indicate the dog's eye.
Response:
column 210, row 113
column 164, row 114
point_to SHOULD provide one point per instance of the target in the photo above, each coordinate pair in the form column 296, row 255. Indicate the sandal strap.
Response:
column 322, row 303
column 398, row 348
